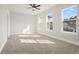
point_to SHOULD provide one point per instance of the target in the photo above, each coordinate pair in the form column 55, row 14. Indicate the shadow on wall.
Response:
column 27, row 30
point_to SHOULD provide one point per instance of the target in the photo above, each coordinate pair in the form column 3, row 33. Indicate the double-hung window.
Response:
column 69, row 19
column 49, row 22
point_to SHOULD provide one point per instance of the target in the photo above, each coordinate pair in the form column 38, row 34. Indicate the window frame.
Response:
column 63, row 20
column 47, row 29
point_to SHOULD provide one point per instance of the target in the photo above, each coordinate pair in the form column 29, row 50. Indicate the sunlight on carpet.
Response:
column 36, row 41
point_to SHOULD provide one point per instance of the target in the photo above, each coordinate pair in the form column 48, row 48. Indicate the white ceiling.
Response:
column 23, row 8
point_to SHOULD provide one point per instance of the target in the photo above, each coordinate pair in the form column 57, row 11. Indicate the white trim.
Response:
column 1, row 48
column 59, row 38
column 70, row 7
column 73, row 33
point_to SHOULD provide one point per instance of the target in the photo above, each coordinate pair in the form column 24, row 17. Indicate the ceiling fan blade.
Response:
column 38, row 6
column 34, row 5
column 30, row 4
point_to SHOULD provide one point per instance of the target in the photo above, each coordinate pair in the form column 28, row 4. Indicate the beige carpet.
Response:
column 37, row 44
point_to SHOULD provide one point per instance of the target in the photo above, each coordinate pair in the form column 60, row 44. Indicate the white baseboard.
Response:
column 72, row 42
column 1, row 48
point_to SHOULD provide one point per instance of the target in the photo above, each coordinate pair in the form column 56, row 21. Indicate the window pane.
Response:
column 69, row 21
column 49, row 22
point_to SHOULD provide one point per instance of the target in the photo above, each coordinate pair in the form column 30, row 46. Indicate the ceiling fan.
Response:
column 34, row 6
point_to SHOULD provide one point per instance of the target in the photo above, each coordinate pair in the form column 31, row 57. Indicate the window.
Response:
column 49, row 22
column 69, row 19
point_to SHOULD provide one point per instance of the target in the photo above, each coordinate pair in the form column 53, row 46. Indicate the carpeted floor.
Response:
column 37, row 44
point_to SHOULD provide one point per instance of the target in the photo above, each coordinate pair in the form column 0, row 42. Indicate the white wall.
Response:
column 14, row 23
column 20, row 23
column 56, row 32
column 3, row 25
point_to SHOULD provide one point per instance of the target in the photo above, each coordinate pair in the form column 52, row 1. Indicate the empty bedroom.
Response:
column 39, row 28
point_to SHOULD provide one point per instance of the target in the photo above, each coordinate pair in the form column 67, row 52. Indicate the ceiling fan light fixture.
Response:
column 35, row 7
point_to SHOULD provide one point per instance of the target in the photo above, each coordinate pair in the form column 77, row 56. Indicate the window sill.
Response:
column 74, row 33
